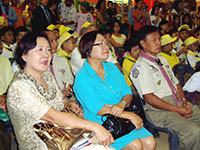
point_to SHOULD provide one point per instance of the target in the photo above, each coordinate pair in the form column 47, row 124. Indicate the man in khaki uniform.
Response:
column 165, row 101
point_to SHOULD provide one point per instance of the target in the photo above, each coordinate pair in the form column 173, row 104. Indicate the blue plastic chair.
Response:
column 173, row 138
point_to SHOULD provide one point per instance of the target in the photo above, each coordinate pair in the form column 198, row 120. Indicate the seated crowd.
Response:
column 95, row 59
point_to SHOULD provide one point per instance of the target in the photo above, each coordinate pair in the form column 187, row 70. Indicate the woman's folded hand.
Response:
column 136, row 120
column 117, row 109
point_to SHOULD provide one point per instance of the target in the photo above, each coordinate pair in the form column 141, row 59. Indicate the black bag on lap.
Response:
column 119, row 126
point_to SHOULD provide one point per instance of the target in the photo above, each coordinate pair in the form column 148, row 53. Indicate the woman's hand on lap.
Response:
column 103, row 136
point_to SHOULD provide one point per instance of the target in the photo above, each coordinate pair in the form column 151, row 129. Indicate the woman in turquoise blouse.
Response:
column 101, row 88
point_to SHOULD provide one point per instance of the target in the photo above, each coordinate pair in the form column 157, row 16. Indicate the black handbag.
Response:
column 119, row 126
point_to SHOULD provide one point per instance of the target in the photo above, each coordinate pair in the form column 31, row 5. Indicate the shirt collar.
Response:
column 130, row 57
column 170, row 54
column 91, row 72
column 7, row 46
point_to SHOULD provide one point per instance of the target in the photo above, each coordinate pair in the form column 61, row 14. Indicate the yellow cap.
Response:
column 63, row 29
column 85, row 25
column 184, row 27
column 51, row 27
column 65, row 36
column 190, row 41
column 166, row 39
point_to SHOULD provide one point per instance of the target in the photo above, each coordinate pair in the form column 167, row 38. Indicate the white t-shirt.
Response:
column 152, row 18
column 192, row 84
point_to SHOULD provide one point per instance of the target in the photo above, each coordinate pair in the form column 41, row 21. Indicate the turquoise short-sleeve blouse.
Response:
column 93, row 93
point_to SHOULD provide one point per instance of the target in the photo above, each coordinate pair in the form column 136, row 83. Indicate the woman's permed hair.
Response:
column 28, row 42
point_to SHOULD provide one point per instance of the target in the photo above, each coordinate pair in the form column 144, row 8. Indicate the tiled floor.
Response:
column 162, row 142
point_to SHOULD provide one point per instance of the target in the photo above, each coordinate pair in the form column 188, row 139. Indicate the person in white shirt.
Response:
column 59, row 67
column 192, row 54
column 68, row 13
column 155, row 18
column 180, row 47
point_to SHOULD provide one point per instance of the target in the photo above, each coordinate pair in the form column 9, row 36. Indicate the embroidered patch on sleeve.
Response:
column 135, row 73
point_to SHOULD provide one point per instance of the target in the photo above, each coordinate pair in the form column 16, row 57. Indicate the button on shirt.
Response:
column 148, row 78
column 93, row 92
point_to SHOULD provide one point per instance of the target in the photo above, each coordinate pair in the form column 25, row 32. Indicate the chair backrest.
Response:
column 183, row 72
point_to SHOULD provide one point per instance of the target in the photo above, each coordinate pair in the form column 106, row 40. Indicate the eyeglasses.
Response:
column 102, row 43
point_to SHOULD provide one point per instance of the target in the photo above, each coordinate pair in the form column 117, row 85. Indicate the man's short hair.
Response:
column 21, row 29
column 148, row 29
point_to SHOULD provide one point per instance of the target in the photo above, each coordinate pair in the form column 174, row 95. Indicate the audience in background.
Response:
column 139, row 15
column 132, row 48
column 83, row 16
column 7, row 36
column 53, row 5
column 166, row 49
column 193, row 56
column 19, row 8
column 41, row 17
column 102, row 16
column 3, row 19
column 9, row 12
column 67, row 13
column 155, row 18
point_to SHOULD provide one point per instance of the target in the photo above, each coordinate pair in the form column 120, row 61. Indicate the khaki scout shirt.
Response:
column 148, row 78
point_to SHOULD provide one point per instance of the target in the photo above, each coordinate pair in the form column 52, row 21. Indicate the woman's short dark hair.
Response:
column 183, row 20
column 98, row 5
column 28, row 42
column 112, row 24
column 153, row 9
column 86, row 43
